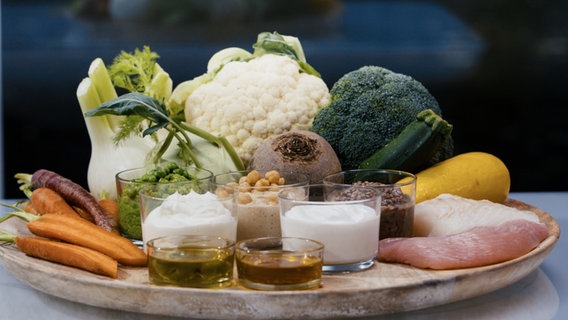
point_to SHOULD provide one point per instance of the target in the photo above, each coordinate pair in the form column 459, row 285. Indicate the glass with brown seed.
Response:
column 398, row 191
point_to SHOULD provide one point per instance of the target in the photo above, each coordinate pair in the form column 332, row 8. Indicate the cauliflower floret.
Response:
column 249, row 101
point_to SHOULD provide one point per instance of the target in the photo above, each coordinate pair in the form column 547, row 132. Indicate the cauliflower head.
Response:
column 249, row 101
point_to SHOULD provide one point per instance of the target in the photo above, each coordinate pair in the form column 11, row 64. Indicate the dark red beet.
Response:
column 302, row 152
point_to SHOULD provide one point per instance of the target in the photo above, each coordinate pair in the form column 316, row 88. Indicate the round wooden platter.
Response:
column 383, row 289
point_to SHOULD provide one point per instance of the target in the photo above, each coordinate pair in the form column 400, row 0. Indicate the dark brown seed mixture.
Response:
column 353, row 194
column 390, row 196
column 397, row 209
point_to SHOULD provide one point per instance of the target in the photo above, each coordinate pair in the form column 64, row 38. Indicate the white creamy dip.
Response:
column 190, row 214
column 350, row 233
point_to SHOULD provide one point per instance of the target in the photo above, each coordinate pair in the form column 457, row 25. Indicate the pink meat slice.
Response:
column 480, row 246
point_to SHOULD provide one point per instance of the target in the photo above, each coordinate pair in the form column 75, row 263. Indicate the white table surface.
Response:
column 541, row 295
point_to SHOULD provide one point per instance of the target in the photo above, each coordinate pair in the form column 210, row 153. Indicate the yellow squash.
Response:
column 473, row 175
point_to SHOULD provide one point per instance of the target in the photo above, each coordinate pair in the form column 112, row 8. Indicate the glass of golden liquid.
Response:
column 197, row 261
column 279, row 263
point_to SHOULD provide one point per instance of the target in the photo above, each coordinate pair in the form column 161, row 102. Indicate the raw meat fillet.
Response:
column 477, row 247
column 451, row 214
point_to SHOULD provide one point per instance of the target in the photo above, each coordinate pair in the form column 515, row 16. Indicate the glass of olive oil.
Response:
column 191, row 261
column 278, row 263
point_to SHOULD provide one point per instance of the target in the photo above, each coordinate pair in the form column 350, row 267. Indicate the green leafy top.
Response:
column 133, row 71
column 274, row 43
column 139, row 105
column 266, row 43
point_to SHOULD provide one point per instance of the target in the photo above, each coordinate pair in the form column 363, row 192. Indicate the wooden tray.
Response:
column 383, row 289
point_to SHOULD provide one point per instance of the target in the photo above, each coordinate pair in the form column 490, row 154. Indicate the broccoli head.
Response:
column 368, row 108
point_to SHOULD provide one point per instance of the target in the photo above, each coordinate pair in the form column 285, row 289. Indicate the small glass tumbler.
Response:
column 187, row 208
column 398, row 191
column 128, row 185
column 279, row 263
column 256, row 196
column 344, row 218
column 191, row 261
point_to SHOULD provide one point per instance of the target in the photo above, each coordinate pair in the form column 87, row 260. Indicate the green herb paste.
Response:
column 129, row 218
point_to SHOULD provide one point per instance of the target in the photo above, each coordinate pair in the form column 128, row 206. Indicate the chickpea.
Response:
column 272, row 199
column 245, row 187
column 244, row 198
column 273, row 176
column 262, row 184
column 253, row 177
column 223, row 192
column 274, row 187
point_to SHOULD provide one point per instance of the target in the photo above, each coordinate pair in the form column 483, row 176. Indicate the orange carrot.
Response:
column 46, row 201
column 84, row 214
column 29, row 207
column 110, row 207
column 89, row 235
column 69, row 254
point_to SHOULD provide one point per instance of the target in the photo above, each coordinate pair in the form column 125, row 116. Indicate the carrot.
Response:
column 111, row 209
column 69, row 254
column 73, row 193
column 84, row 214
column 89, row 235
column 29, row 207
column 45, row 201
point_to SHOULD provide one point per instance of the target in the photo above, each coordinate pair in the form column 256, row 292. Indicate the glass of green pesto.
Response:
column 130, row 181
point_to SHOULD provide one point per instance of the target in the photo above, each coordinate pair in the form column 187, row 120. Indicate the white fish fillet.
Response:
column 449, row 214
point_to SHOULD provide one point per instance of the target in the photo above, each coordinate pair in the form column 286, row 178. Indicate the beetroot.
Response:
column 302, row 152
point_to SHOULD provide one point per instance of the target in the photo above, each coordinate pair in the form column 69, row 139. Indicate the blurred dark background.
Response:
column 498, row 68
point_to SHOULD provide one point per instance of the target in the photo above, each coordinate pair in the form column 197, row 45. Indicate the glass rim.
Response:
column 122, row 179
column 264, row 171
column 403, row 174
column 228, row 243
column 305, row 179
column 319, row 246
column 377, row 195
column 152, row 185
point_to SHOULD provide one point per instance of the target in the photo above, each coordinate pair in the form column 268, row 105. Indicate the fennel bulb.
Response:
column 108, row 158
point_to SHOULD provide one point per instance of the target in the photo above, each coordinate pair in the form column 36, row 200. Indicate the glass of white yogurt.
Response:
column 183, row 209
column 348, row 228
column 256, row 197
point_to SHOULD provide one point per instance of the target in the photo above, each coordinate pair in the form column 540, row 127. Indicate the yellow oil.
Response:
column 192, row 267
column 279, row 269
